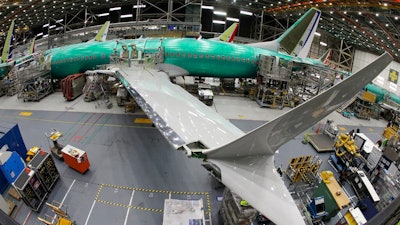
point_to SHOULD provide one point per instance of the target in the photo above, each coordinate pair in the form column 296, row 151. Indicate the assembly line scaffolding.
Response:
column 34, row 79
column 285, row 83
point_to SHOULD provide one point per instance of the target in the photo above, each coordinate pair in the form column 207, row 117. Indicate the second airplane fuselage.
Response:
column 206, row 58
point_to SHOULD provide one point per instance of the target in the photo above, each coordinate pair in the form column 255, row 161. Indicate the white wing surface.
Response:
column 180, row 116
column 246, row 162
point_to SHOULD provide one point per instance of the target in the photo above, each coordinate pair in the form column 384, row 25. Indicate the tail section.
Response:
column 7, row 50
column 102, row 35
column 298, row 38
column 229, row 34
column 32, row 47
column 247, row 166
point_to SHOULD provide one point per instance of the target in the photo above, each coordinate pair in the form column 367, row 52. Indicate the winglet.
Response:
column 298, row 38
column 229, row 34
column 102, row 35
column 6, row 55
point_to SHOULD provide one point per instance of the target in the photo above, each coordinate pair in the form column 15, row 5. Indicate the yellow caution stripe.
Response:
column 130, row 206
column 25, row 113
column 143, row 120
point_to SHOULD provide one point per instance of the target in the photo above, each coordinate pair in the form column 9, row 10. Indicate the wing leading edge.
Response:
column 246, row 162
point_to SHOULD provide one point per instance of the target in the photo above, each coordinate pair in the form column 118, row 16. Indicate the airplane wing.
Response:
column 181, row 117
column 245, row 161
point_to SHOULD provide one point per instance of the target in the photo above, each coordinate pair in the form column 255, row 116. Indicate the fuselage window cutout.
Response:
column 172, row 54
column 189, row 55
column 218, row 57
column 166, row 54
column 223, row 57
column 183, row 55
column 178, row 54
column 195, row 56
column 243, row 60
column 228, row 58
column 248, row 60
column 201, row 56
column 233, row 58
column 213, row 57
column 207, row 56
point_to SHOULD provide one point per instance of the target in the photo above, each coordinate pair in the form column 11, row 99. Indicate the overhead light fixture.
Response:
column 126, row 16
column 246, row 13
column 59, row 21
column 318, row 34
column 45, row 25
column 139, row 6
column 221, row 13
column 115, row 8
column 39, row 34
column 323, row 43
column 207, row 7
column 52, row 26
column 218, row 21
column 232, row 19
column 103, row 14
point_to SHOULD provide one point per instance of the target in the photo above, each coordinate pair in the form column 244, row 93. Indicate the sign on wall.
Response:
column 393, row 76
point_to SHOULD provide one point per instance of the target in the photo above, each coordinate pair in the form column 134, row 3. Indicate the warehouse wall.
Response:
column 387, row 79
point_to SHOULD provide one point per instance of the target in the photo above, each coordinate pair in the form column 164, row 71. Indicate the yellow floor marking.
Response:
column 25, row 113
column 342, row 128
column 206, row 194
column 143, row 120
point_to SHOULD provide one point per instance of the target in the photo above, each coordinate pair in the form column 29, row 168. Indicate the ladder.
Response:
column 90, row 88
column 346, row 104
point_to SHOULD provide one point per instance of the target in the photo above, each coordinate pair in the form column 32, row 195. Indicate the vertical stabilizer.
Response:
column 229, row 34
column 6, row 55
column 32, row 47
column 102, row 35
column 298, row 38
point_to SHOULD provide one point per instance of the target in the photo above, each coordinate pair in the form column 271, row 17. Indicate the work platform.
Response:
column 321, row 142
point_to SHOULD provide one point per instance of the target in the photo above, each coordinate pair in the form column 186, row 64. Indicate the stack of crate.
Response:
column 233, row 213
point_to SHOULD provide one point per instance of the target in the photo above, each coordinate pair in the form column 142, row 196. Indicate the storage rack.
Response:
column 43, row 164
column 31, row 190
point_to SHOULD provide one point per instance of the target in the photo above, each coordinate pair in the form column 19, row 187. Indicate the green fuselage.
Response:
column 206, row 58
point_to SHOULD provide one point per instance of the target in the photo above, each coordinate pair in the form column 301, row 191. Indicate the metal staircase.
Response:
column 346, row 104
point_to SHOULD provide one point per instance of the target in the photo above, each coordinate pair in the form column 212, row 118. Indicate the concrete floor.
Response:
column 133, row 168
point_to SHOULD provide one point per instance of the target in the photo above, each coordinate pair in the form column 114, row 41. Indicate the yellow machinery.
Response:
column 303, row 168
column 391, row 130
column 61, row 217
column 346, row 152
column 326, row 176
column 345, row 144
column 54, row 136
column 32, row 152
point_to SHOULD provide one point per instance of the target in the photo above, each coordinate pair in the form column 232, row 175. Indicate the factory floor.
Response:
column 132, row 167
